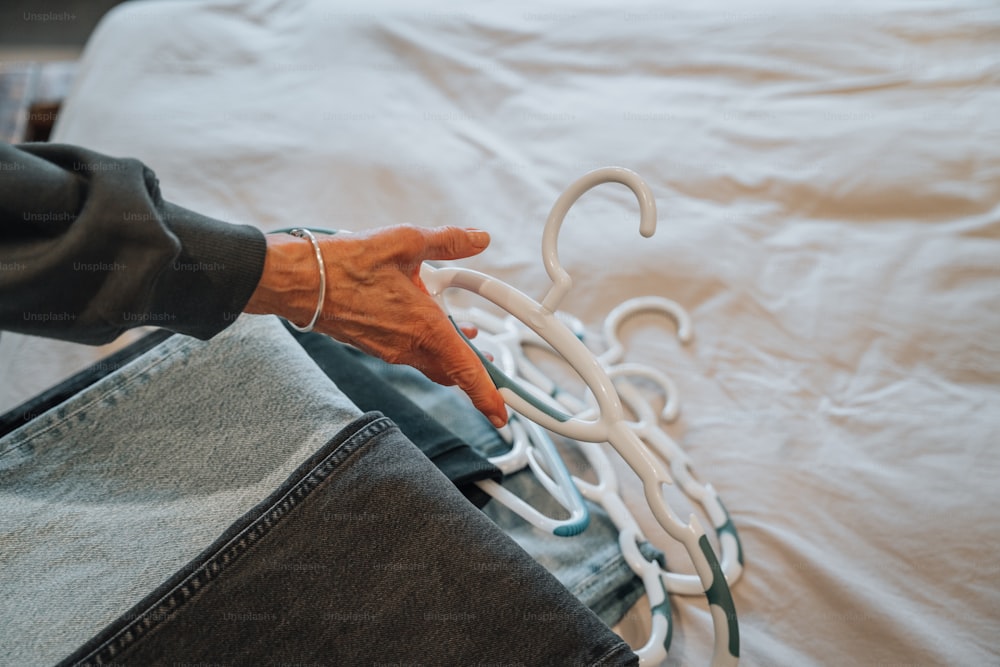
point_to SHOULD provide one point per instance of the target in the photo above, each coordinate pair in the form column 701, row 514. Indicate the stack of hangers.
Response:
column 538, row 405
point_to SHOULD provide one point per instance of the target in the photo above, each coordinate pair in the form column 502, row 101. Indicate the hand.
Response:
column 376, row 301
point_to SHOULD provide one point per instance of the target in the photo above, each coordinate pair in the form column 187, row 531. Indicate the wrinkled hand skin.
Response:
column 376, row 301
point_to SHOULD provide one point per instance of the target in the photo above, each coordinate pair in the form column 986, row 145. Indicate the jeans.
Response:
column 366, row 555
column 271, row 520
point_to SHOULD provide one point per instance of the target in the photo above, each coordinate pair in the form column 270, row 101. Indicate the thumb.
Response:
column 454, row 242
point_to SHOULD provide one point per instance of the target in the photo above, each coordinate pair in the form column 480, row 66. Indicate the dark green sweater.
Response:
column 89, row 248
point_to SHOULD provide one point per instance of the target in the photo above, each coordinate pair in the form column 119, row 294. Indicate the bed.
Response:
column 828, row 186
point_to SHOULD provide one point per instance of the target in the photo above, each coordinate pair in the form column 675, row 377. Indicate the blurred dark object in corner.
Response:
column 32, row 82
column 30, row 97
column 62, row 23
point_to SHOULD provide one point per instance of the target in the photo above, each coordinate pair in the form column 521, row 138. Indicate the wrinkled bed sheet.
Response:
column 828, row 181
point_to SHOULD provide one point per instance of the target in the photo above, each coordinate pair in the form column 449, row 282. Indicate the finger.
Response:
column 471, row 377
column 453, row 242
column 459, row 363
column 438, row 351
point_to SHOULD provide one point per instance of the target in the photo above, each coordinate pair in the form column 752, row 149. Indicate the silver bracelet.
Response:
column 306, row 234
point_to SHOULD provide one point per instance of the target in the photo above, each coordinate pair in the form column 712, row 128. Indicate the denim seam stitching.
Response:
column 119, row 385
column 239, row 544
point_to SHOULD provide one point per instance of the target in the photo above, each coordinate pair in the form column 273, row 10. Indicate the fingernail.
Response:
column 497, row 421
column 478, row 238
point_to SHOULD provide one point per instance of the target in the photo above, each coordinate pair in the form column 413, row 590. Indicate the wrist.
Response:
column 290, row 280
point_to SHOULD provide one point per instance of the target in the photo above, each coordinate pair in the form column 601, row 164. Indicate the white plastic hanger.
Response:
column 613, row 322
column 605, row 492
column 680, row 467
column 609, row 424
column 647, row 428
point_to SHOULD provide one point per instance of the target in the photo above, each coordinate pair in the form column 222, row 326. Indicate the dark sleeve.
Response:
column 89, row 248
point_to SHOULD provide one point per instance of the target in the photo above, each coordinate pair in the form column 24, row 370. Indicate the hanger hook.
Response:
column 613, row 323
column 561, row 281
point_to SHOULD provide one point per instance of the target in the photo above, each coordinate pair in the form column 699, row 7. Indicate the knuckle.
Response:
column 409, row 235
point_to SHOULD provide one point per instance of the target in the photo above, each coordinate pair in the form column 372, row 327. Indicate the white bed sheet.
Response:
column 828, row 181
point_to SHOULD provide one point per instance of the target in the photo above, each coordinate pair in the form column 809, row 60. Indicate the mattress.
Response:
column 828, row 186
